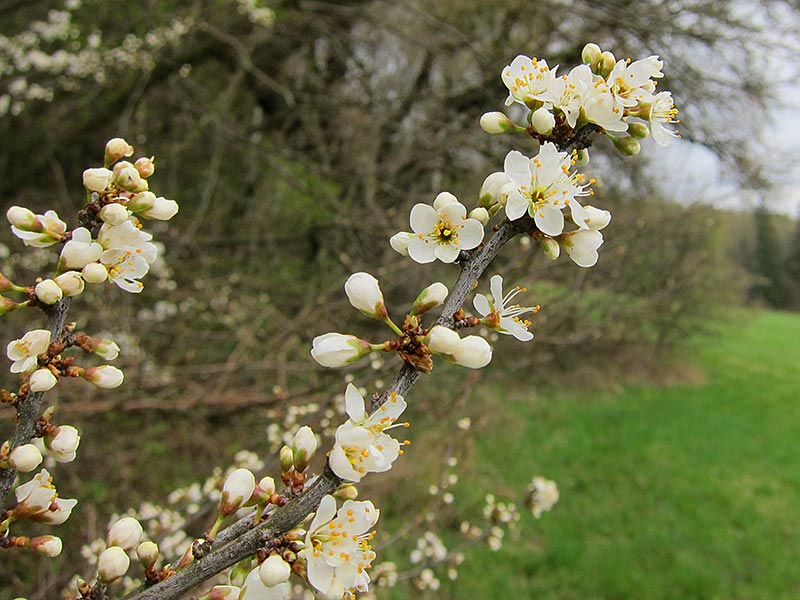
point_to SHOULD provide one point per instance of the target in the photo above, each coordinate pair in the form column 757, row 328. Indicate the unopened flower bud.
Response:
column 267, row 486
column 117, row 148
column 274, row 570
column 141, row 202
column 161, row 210
column 606, row 64
column 481, row 214
column 126, row 177
column 105, row 377
column 238, row 488
column 114, row 214
column 49, row 545
column 112, row 564
column 399, row 242
column 145, row 166
column 71, row 283
column 443, row 340
column 147, row 552
column 365, row 294
column 63, row 444
column 638, row 129
column 304, row 445
column 286, row 459
column 431, row 297
column 346, row 491
column 94, row 273
column 497, row 122
column 25, row 458
column 22, row 218
column 106, row 349
column 543, row 121
column 125, row 533
column 591, row 54
column 42, row 380
column 223, row 592
column 550, row 247
column 626, row 145
column 48, row 292
column 96, row 180
column 491, row 190
column 337, row 350
column 473, row 352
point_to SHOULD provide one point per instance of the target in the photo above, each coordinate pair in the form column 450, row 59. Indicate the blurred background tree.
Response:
column 297, row 134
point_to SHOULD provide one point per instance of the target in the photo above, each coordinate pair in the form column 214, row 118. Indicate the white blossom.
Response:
column 337, row 553
column 542, row 495
column 255, row 589
column 500, row 314
column 48, row 292
column 662, row 111
column 337, row 350
column 442, row 231
column 96, row 180
column 629, row 82
column 42, row 380
column 472, row 352
column 361, row 445
column 528, row 80
column 80, row 250
column 71, row 283
column 542, row 186
column 26, row 350
column 582, row 245
column 41, row 232
column 63, row 443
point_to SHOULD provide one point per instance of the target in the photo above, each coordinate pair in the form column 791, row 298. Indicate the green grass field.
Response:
column 685, row 492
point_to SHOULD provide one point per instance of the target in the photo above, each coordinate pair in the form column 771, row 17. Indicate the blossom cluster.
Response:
column 603, row 91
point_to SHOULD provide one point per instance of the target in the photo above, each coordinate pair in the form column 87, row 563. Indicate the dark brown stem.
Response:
column 28, row 409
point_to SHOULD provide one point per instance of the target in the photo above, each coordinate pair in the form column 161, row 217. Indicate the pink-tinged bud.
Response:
column 399, row 242
column 96, row 180
column 126, row 177
column 147, row 552
column 125, row 533
column 365, row 294
column 25, row 458
column 94, row 273
column 161, row 210
column 114, row 214
column 304, row 445
column 543, row 121
column 480, row 214
column 49, row 545
column 7, row 305
column 443, row 340
column 145, row 166
column 274, row 570
column 431, row 297
column 112, row 564
column 550, row 247
column 42, row 380
column 48, row 292
column 337, row 350
column 105, row 376
column 22, row 218
column 238, row 488
column 117, row 148
column 497, row 122
column 473, row 352
column 63, row 443
column 223, row 592
column 71, row 283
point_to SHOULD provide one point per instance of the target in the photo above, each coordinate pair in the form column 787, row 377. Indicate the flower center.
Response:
column 445, row 233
